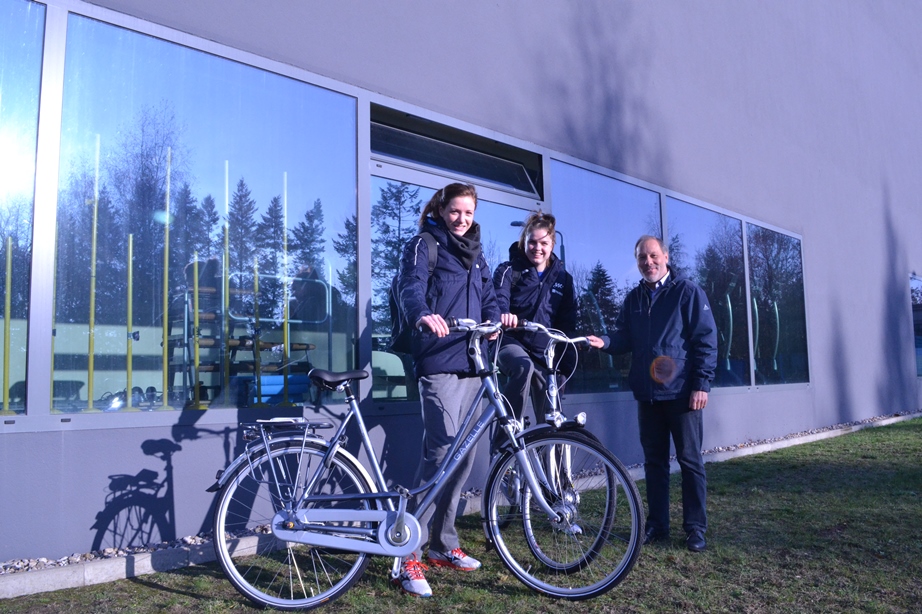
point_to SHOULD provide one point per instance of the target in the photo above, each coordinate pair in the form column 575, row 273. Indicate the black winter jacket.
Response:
column 679, row 324
column 549, row 300
column 453, row 291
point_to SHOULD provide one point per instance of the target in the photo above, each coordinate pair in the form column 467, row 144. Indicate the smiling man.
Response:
column 667, row 324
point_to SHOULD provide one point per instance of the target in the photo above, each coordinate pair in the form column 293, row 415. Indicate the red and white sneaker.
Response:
column 456, row 559
column 411, row 578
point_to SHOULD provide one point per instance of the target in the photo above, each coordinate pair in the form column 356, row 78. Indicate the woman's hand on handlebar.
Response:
column 435, row 323
column 509, row 320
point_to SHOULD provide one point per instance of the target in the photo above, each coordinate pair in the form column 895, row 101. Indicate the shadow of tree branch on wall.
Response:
column 596, row 77
column 897, row 384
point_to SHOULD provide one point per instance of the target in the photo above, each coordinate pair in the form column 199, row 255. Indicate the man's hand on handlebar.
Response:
column 509, row 320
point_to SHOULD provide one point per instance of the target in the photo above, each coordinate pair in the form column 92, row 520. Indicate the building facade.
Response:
column 200, row 201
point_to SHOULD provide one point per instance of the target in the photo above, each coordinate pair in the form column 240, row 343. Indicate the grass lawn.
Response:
column 830, row 526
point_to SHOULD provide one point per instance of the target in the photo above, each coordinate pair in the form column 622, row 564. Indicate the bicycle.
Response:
column 298, row 516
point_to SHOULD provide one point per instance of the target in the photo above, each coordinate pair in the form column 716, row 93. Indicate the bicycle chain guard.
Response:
column 312, row 528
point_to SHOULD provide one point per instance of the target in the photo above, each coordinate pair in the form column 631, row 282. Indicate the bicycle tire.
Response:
column 266, row 570
column 599, row 541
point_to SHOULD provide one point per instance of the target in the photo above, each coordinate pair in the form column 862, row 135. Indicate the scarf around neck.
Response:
column 466, row 248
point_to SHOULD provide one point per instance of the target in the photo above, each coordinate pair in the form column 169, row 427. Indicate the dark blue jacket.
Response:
column 549, row 300
column 677, row 323
column 453, row 291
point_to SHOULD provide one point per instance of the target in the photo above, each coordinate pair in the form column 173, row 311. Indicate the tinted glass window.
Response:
column 915, row 287
column 599, row 219
column 21, row 28
column 779, row 328
column 206, row 228
column 707, row 247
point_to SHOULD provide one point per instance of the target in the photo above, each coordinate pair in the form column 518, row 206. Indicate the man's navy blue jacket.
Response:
column 676, row 323
column 453, row 291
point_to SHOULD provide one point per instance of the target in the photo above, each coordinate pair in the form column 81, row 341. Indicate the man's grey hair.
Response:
column 646, row 238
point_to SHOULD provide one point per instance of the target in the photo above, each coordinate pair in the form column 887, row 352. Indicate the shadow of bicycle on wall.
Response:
column 139, row 508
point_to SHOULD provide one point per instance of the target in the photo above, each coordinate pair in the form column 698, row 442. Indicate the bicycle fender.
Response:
column 224, row 474
column 547, row 428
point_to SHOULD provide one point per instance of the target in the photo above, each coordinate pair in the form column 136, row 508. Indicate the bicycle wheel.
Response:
column 598, row 541
column 275, row 573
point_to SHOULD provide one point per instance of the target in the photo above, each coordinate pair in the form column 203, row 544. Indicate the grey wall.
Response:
column 801, row 114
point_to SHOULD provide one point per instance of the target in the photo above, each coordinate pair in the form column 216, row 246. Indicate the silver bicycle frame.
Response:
column 395, row 532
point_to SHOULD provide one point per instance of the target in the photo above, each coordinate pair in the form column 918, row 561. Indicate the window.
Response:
column 599, row 219
column 915, row 292
column 206, row 250
column 779, row 326
column 21, row 29
column 707, row 247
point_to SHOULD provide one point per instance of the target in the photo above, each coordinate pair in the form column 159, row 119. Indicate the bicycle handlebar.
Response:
column 467, row 325
column 554, row 334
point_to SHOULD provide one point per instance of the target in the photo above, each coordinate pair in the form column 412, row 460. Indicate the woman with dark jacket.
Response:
column 460, row 286
column 533, row 285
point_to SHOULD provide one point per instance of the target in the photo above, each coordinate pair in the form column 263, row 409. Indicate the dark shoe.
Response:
column 695, row 541
column 654, row 536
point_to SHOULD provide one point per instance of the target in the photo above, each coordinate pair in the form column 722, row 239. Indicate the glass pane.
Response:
column 395, row 212
column 915, row 289
column 601, row 219
column 438, row 154
column 21, row 29
column 206, row 244
column 707, row 247
column 779, row 326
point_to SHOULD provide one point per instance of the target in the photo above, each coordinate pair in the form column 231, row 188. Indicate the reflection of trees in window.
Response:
column 600, row 301
column 210, row 227
column 132, row 185
column 778, row 315
column 915, row 294
column 241, row 219
column 272, row 257
column 345, row 244
column 717, row 268
column 678, row 256
column 395, row 218
column 189, row 233
column 75, row 228
column 16, row 226
column 22, row 25
column 719, row 272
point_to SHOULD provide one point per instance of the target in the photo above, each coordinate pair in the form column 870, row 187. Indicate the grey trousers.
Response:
column 445, row 399
column 525, row 380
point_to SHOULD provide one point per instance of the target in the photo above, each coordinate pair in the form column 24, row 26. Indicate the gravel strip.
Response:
column 22, row 565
